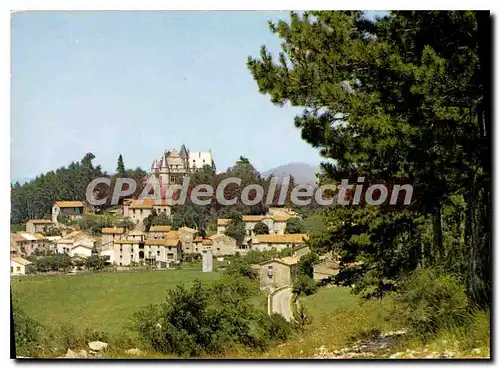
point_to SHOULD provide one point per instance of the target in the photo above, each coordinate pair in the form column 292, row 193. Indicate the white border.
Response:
column 7, row 6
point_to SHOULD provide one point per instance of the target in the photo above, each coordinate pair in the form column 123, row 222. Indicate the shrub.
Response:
column 261, row 228
column 434, row 301
column 27, row 333
column 239, row 268
column 301, row 319
column 210, row 319
column 304, row 284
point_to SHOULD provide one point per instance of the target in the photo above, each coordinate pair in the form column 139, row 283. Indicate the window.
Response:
column 141, row 211
column 169, row 248
column 120, row 263
column 170, row 256
column 149, row 253
column 158, row 253
column 218, row 249
column 131, row 256
column 133, row 211
column 121, row 256
column 270, row 271
column 11, row 269
column 18, row 269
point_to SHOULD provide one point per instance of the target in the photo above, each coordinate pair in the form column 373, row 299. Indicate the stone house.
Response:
column 27, row 243
column 77, row 243
column 19, row 266
column 301, row 250
column 138, row 210
column 224, row 245
column 278, row 272
column 279, row 242
column 275, row 223
column 187, row 236
column 326, row 269
column 38, row 225
column 110, row 234
column 159, row 232
column 137, row 249
column 71, row 209
column 222, row 224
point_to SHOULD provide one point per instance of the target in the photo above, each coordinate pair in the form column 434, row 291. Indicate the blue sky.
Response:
column 138, row 83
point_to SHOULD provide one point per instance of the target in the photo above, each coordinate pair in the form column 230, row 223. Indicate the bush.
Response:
column 304, row 284
column 261, row 228
column 27, row 333
column 301, row 319
column 434, row 301
column 239, row 268
column 208, row 319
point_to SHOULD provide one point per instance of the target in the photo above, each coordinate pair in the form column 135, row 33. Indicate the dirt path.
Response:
column 281, row 303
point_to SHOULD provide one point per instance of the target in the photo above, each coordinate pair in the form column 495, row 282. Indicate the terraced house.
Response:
column 279, row 242
column 78, row 243
column 25, row 244
column 137, row 210
column 135, row 248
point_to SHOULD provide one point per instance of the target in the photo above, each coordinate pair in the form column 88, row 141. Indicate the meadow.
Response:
column 99, row 301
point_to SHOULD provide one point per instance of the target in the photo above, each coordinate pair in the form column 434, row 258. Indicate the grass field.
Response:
column 102, row 301
column 327, row 300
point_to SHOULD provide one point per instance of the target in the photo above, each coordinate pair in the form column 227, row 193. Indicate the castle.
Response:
column 173, row 165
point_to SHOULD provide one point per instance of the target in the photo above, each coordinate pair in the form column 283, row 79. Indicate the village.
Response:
column 160, row 246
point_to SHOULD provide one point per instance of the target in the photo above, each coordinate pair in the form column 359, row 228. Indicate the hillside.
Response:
column 302, row 172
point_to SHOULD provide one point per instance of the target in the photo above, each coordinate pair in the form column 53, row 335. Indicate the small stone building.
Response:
column 38, row 225
column 278, row 272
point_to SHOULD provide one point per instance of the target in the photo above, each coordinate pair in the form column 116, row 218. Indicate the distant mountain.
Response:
column 302, row 172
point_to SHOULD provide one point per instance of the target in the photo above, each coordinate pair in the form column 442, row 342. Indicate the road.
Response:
column 281, row 303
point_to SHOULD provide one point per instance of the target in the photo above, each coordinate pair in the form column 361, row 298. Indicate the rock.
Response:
column 82, row 353
column 133, row 351
column 476, row 351
column 396, row 355
column 70, row 353
column 98, row 345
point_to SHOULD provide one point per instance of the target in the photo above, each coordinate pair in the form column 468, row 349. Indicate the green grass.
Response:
column 327, row 300
column 102, row 302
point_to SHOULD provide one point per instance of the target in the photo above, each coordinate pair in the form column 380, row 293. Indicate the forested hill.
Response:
column 34, row 199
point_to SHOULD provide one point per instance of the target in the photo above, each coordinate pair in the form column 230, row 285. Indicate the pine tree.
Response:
column 400, row 99
column 120, row 167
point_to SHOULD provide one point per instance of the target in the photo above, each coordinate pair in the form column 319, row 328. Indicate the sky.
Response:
column 139, row 83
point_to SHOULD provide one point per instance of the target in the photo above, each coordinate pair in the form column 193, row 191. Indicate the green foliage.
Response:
column 126, row 223
column 305, row 266
column 239, row 268
column 304, row 285
column 27, row 332
column 190, row 215
column 204, row 319
column 14, row 228
column 261, row 228
column 52, row 262
column 95, row 263
column 435, row 300
column 94, row 223
column 401, row 100
column 120, row 167
column 295, row 225
column 236, row 231
column 301, row 318
column 53, row 231
column 256, row 256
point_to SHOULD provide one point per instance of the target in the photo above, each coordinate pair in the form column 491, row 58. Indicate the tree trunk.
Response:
column 438, row 231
